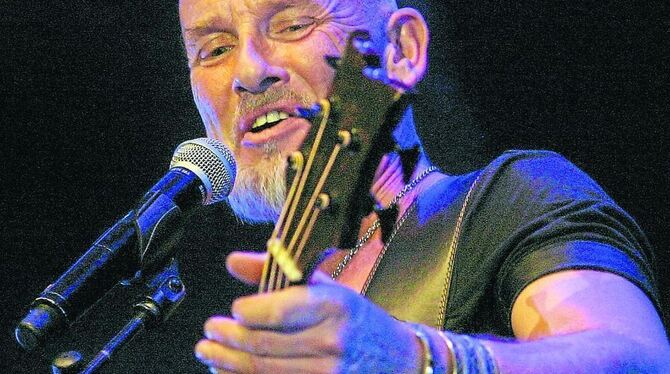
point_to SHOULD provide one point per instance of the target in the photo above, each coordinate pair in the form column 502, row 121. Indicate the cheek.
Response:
column 209, row 86
column 307, row 60
column 213, row 103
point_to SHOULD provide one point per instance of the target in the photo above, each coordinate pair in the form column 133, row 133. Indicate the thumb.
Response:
column 246, row 266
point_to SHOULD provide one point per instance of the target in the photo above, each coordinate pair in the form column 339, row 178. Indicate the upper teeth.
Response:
column 271, row 117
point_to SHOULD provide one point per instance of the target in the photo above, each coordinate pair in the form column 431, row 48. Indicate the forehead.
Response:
column 194, row 13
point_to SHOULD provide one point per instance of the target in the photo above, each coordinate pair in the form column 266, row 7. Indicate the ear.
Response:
column 406, row 53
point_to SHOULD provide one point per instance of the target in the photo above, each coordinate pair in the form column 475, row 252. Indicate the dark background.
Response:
column 94, row 98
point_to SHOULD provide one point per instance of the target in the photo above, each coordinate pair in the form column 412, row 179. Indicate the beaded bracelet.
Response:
column 453, row 365
column 467, row 355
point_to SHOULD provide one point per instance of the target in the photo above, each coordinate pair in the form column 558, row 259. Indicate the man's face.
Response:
column 254, row 61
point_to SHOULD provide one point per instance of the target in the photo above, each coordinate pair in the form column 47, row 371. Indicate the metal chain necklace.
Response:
column 375, row 225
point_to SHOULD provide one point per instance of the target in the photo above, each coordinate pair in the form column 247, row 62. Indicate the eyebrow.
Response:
column 208, row 25
column 200, row 28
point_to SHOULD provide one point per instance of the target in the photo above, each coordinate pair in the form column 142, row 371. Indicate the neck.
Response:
column 389, row 180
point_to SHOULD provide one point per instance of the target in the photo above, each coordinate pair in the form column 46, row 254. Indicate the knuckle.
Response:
column 338, row 306
column 256, row 364
column 276, row 315
column 257, row 345
column 331, row 344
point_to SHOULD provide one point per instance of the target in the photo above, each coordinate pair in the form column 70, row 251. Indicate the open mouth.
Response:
column 268, row 120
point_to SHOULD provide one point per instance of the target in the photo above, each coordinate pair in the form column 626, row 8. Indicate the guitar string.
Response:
column 304, row 228
column 298, row 165
column 272, row 282
column 279, row 281
column 300, row 230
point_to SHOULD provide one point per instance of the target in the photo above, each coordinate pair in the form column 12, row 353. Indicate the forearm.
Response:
column 595, row 351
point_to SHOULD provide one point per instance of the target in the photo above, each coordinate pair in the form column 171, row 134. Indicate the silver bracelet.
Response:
column 471, row 356
column 452, row 368
column 427, row 363
column 437, row 363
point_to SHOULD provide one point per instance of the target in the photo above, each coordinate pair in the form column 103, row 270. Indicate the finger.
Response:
column 220, row 371
column 366, row 222
column 291, row 309
column 392, row 167
column 393, row 184
column 246, row 266
column 218, row 356
column 382, row 165
column 385, row 195
column 214, row 370
column 309, row 343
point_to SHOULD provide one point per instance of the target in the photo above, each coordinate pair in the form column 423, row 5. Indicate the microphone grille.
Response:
column 210, row 160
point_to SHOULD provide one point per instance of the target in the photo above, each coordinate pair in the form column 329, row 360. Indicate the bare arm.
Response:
column 584, row 321
column 569, row 322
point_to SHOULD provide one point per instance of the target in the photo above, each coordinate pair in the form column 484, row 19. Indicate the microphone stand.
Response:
column 166, row 292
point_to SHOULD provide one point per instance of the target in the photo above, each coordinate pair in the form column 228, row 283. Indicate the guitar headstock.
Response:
column 332, row 173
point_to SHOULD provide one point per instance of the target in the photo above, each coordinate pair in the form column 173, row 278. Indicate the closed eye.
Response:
column 297, row 27
column 292, row 29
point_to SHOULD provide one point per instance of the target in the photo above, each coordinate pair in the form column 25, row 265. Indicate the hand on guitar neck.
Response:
column 322, row 327
column 308, row 322
column 324, row 324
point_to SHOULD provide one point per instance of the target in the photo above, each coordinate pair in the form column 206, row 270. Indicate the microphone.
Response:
column 202, row 172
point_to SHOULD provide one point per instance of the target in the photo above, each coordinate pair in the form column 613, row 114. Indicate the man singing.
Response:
column 524, row 266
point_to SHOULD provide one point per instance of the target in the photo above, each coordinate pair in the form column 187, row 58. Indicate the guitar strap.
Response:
column 414, row 278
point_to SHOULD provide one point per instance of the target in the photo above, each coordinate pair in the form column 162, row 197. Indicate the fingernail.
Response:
column 235, row 309
column 199, row 356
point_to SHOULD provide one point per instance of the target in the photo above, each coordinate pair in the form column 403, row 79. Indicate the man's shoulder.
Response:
column 539, row 172
column 518, row 177
column 516, row 160
column 516, row 166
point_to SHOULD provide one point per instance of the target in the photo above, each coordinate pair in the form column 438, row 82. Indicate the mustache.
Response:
column 250, row 102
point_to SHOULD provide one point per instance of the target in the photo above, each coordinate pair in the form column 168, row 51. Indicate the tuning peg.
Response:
column 361, row 35
column 333, row 61
column 377, row 74
column 364, row 46
column 309, row 113
column 349, row 140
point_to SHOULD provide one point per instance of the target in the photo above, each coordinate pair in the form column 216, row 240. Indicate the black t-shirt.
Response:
column 529, row 214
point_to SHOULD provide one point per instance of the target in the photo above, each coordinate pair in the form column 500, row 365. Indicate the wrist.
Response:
column 426, row 355
column 468, row 354
column 431, row 354
column 449, row 353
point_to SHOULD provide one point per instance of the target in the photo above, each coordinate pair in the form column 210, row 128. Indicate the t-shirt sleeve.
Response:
column 562, row 220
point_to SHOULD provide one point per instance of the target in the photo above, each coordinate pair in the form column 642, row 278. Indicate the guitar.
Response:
column 332, row 173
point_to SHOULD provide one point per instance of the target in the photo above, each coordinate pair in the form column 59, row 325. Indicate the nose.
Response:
column 255, row 72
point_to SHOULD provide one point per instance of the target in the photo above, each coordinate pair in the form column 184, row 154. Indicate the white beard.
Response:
column 260, row 191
